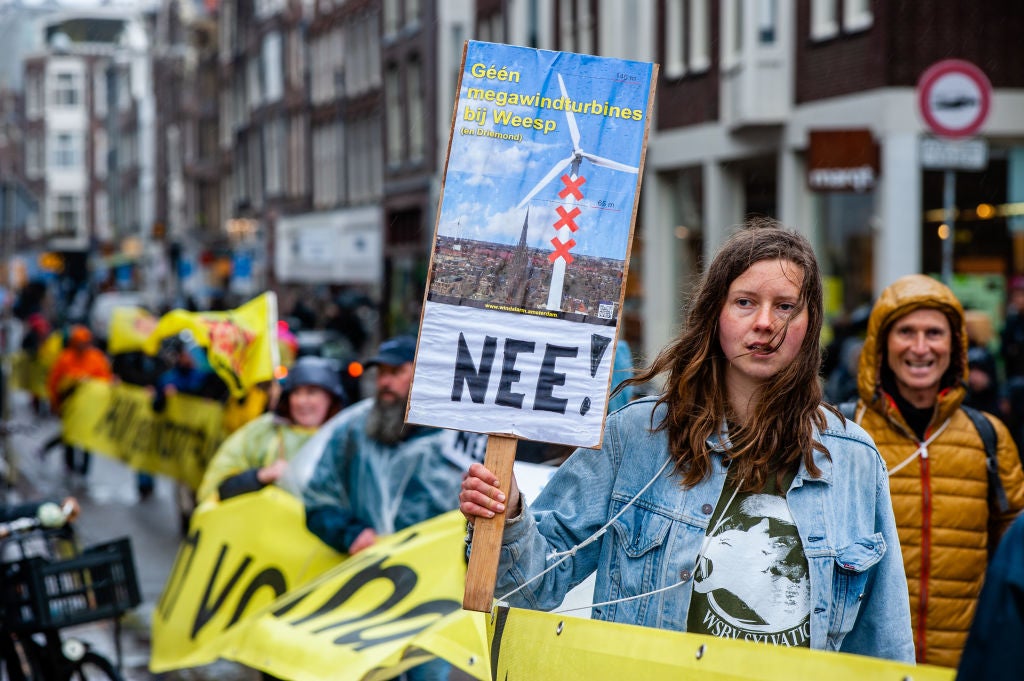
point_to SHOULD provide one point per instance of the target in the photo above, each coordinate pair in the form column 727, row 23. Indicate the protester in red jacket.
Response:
column 78, row 361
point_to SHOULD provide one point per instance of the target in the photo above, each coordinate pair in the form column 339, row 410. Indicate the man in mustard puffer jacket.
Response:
column 911, row 383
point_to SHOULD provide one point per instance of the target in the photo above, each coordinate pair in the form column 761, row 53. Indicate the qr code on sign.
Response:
column 606, row 310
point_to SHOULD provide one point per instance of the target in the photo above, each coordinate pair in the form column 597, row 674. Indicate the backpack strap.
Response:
column 996, row 493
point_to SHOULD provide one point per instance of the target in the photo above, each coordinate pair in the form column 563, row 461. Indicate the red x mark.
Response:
column 567, row 218
column 562, row 250
column 572, row 187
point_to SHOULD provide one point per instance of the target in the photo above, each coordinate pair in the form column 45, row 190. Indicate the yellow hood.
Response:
column 909, row 293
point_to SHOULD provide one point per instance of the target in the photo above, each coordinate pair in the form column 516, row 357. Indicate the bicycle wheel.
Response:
column 94, row 667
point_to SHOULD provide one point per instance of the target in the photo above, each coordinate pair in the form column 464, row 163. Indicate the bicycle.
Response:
column 51, row 585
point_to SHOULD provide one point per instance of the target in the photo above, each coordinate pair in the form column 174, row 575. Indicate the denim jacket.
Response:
column 859, row 602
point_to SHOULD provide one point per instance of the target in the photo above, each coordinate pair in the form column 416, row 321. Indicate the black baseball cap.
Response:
column 394, row 352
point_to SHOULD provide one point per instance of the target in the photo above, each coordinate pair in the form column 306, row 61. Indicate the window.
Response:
column 66, row 148
column 416, row 116
column 327, row 159
column 675, row 64
column 124, row 91
column 699, row 28
column 273, row 87
column 318, row 92
column 824, row 24
column 566, row 26
column 34, row 97
column 33, row 156
column 857, row 15
column 412, row 13
column 100, row 150
column 298, row 174
column 99, row 92
column 66, row 209
column 273, row 148
column 363, row 160
column 296, row 58
column 732, row 47
column 390, row 17
column 226, row 126
column 767, row 17
column 393, row 96
column 373, row 59
column 686, row 37
column 254, row 84
column 584, row 27
column 66, row 90
column 101, row 219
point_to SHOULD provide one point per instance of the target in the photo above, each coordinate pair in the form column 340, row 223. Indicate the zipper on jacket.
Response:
column 926, row 554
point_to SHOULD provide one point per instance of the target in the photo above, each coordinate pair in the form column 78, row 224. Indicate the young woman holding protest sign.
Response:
column 258, row 453
column 733, row 504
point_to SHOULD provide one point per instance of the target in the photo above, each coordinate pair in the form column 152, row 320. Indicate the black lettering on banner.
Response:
column 549, row 378
column 297, row 596
column 169, row 598
column 402, row 578
column 359, row 639
column 466, row 371
column 173, row 439
column 118, row 417
column 205, row 613
column 270, row 577
column 510, row 375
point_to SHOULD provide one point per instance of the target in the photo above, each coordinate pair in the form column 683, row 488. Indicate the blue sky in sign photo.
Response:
column 490, row 182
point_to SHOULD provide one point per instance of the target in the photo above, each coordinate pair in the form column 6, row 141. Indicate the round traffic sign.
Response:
column 954, row 97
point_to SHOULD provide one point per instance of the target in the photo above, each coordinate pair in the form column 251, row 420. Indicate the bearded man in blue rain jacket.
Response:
column 378, row 475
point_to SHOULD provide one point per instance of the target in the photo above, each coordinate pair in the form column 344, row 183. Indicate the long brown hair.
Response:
column 780, row 432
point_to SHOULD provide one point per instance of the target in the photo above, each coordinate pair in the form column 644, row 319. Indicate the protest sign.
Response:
column 530, row 257
column 531, row 245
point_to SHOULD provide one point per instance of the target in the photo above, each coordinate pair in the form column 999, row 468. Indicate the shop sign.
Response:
column 842, row 160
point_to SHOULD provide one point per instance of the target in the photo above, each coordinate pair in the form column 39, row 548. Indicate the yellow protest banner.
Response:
column 18, row 379
column 604, row 651
column 241, row 344
column 239, row 556
column 118, row 420
column 250, row 584
column 374, row 615
column 29, row 372
column 130, row 327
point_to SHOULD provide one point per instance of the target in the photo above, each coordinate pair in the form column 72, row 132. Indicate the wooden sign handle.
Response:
column 486, row 548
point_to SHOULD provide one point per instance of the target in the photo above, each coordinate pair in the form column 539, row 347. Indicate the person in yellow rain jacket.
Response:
column 949, row 512
column 258, row 453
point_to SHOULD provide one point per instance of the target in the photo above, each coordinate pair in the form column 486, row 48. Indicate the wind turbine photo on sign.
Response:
column 573, row 181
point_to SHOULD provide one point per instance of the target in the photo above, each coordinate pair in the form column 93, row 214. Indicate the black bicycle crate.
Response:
column 99, row 583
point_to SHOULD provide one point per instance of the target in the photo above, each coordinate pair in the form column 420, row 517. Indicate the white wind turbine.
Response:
column 573, row 161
